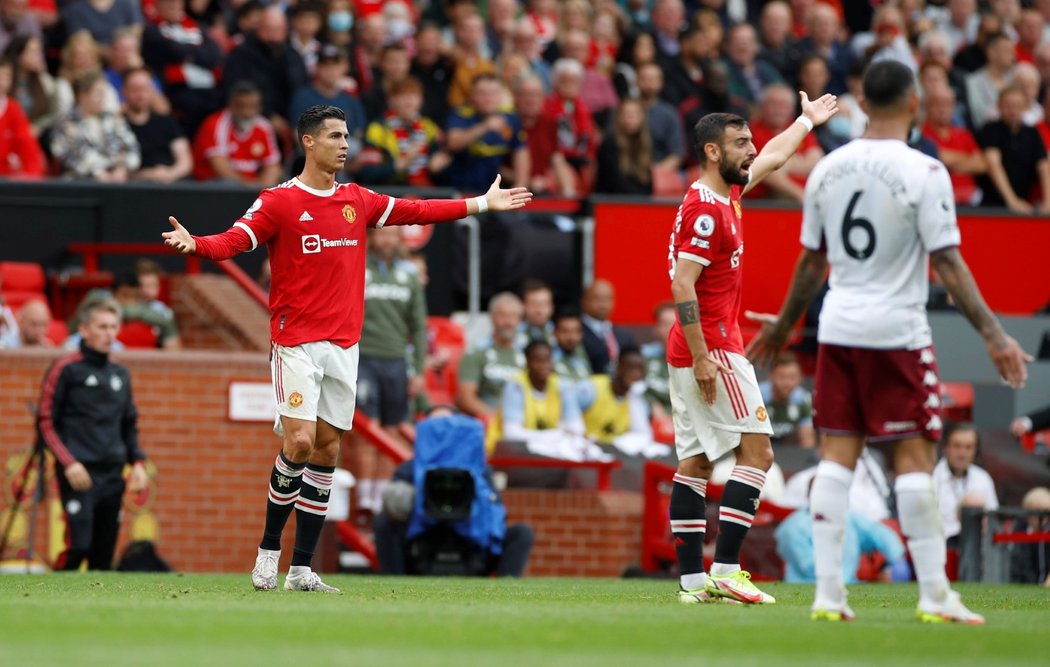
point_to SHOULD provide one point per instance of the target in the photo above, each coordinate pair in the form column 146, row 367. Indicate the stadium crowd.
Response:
column 568, row 98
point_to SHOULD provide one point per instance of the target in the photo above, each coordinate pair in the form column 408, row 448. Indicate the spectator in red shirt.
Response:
column 528, row 101
column 20, row 154
column 956, row 147
column 1029, row 35
column 238, row 143
column 568, row 118
column 775, row 113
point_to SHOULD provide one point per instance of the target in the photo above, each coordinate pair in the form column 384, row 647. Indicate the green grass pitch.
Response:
column 197, row 620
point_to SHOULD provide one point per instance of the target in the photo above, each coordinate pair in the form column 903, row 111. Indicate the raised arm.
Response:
column 781, row 147
column 1005, row 353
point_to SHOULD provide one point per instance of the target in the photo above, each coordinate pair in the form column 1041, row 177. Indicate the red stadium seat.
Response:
column 137, row 335
column 21, row 282
column 667, row 183
column 957, row 400
column 57, row 332
column 444, row 336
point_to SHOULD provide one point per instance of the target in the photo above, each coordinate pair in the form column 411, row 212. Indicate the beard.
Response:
column 733, row 174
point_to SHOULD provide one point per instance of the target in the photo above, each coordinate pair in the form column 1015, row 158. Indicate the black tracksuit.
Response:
column 87, row 415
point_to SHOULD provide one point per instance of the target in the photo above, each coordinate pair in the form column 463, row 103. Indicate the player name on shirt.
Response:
column 878, row 208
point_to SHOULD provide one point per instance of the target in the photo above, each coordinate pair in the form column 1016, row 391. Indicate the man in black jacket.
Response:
column 267, row 60
column 88, row 420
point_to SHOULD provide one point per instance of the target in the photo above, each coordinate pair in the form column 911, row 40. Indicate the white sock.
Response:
column 724, row 568
column 829, row 507
column 377, row 494
column 921, row 525
column 691, row 582
column 297, row 570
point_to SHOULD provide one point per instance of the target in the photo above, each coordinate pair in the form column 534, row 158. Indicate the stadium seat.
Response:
column 957, row 400
column 57, row 332
column 138, row 335
column 667, row 183
column 21, row 282
column 444, row 335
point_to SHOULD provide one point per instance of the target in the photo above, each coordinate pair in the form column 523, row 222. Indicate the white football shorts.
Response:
column 315, row 381
column 715, row 429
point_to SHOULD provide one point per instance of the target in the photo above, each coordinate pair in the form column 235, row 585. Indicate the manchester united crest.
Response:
column 349, row 214
column 295, row 400
column 736, row 209
column 760, row 413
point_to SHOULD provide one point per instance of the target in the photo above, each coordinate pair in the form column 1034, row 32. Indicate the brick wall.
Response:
column 579, row 533
column 215, row 314
column 209, row 494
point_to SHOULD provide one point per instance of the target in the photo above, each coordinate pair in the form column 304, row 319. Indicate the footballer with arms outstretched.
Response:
column 715, row 400
column 874, row 211
column 314, row 231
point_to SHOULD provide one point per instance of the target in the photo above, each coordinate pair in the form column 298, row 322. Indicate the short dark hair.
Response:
column 629, row 350
column 887, row 83
column 535, row 344
column 127, row 279
column 711, row 128
column 243, row 87
column 960, row 427
column 132, row 71
column 567, row 313
column 313, row 119
column 995, row 37
column 534, row 285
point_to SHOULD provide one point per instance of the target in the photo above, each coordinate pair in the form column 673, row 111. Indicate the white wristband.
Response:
column 482, row 202
column 806, row 122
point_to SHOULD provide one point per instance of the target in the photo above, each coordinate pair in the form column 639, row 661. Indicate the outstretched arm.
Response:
column 429, row 211
column 809, row 276
column 781, row 147
column 1005, row 353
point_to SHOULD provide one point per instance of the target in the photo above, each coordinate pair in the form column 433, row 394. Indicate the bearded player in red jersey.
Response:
column 715, row 400
column 314, row 231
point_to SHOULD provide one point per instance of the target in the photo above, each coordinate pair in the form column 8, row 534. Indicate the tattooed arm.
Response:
column 809, row 275
column 1005, row 353
column 683, row 288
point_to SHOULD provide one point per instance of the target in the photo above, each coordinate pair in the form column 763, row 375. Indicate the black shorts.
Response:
column 382, row 390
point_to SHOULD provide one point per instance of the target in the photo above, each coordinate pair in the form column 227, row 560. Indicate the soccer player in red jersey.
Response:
column 314, row 231
column 715, row 400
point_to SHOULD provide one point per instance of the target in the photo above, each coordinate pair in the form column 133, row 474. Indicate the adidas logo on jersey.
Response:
column 305, row 217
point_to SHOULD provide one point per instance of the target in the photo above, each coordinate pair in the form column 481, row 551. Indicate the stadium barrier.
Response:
column 986, row 539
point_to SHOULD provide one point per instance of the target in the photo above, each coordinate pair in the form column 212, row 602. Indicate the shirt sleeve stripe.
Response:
column 694, row 258
column 386, row 213
column 251, row 234
column 46, row 413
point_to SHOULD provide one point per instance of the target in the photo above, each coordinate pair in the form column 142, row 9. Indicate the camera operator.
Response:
column 408, row 537
column 88, row 420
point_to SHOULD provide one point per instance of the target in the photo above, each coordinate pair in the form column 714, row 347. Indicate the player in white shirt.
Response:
column 874, row 211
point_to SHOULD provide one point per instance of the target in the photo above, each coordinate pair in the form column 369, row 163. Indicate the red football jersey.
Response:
column 316, row 242
column 709, row 230
column 248, row 152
